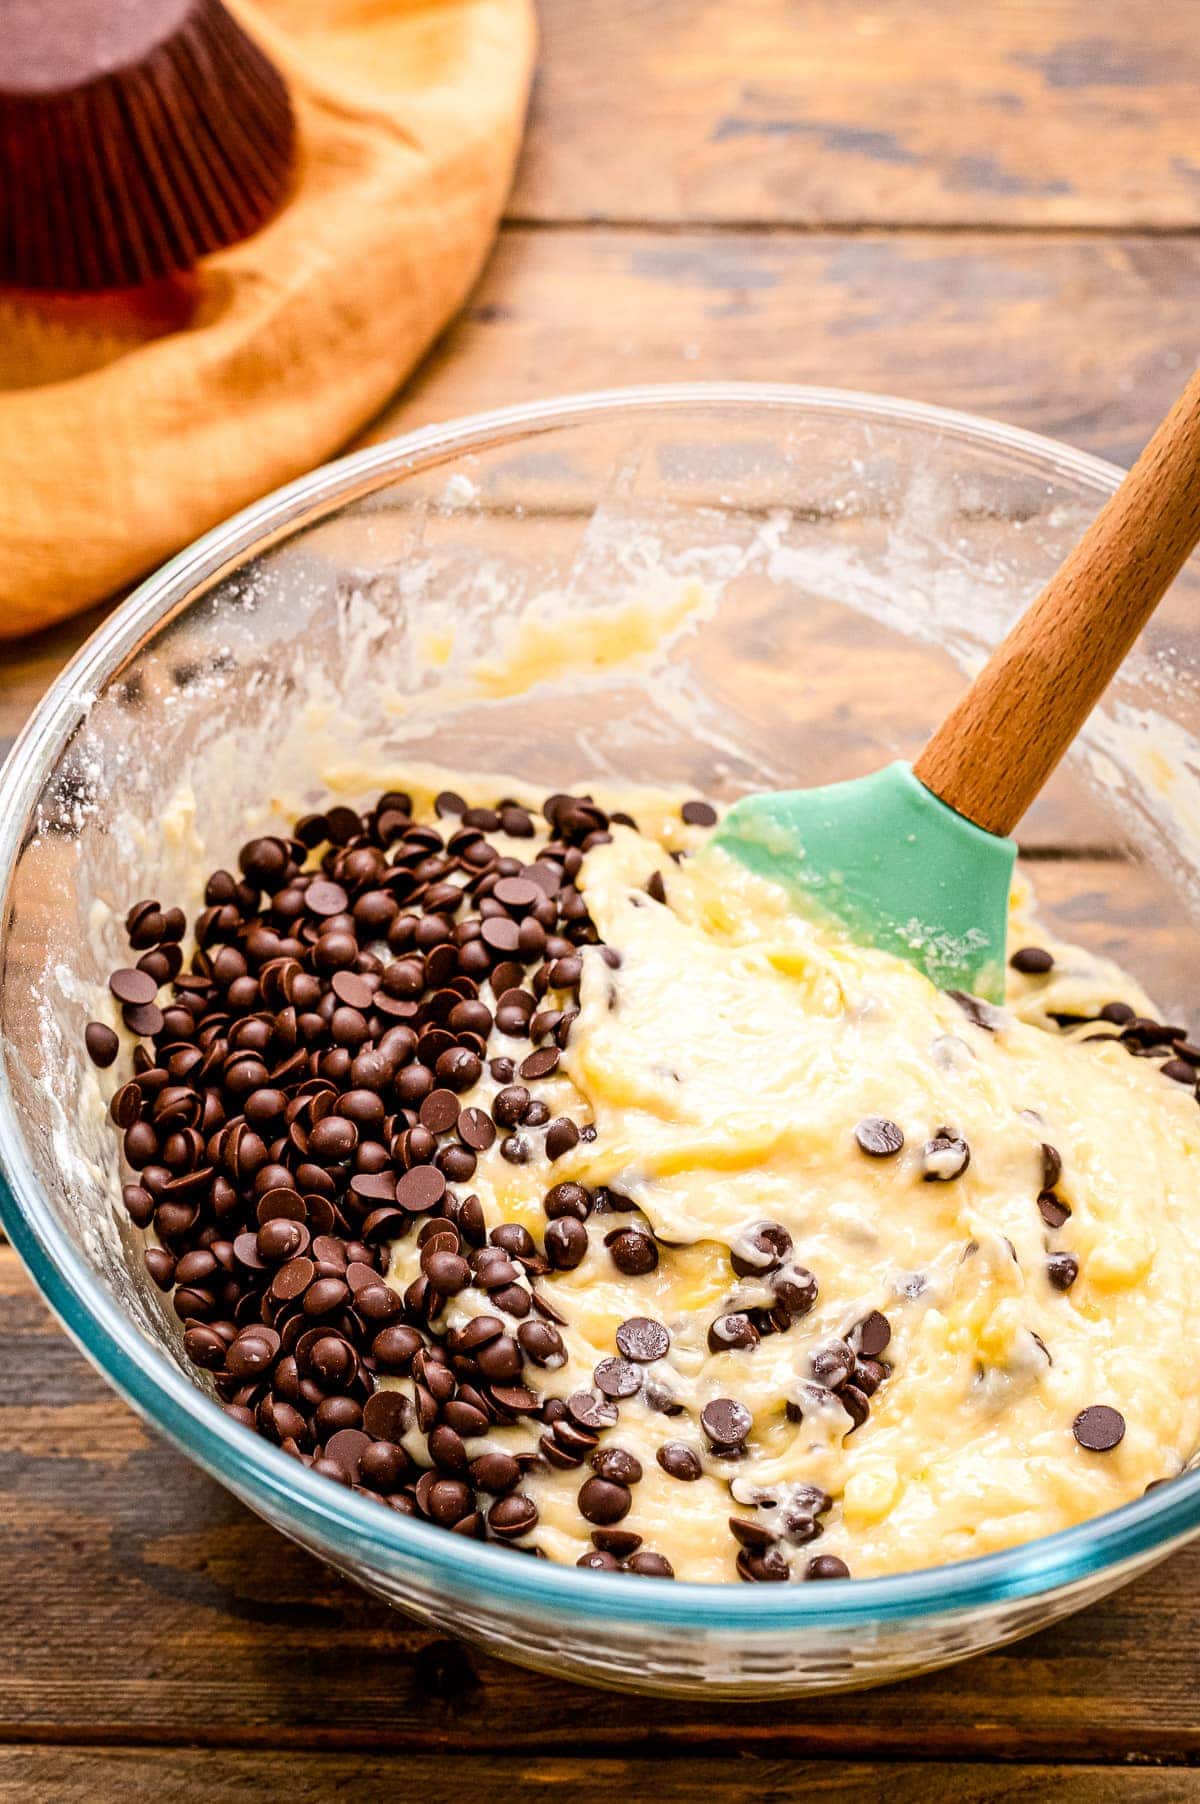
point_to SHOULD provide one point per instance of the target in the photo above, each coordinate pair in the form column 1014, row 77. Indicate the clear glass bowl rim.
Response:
column 349, row 1528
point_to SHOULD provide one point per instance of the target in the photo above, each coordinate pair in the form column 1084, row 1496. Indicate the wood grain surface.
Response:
column 79, row 1775
column 990, row 207
column 867, row 112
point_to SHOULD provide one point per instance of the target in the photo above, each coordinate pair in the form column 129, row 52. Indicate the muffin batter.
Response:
column 797, row 1265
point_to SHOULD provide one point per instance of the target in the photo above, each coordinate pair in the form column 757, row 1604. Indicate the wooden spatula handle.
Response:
column 995, row 750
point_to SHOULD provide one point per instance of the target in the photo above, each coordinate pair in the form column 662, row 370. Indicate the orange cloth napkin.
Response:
column 127, row 427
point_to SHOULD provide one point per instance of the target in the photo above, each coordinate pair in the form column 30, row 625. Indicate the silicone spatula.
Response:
column 917, row 859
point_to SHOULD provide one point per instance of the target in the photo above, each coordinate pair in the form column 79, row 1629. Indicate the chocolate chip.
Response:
column 767, row 1567
column 855, row 1404
column 352, row 990
column 439, row 1111
column 596, row 1560
column 1052, row 1209
column 475, row 1128
column 324, row 899
column 760, row 1248
column 621, row 1467
column 698, row 814
column 1032, row 961
column 420, row 1189
column 1099, row 1428
column 732, row 1332
column 542, row 1343
column 591, row 1412
column 292, row 1279
column 754, row 1535
column 618, row 1378
column 870, row 1336
column 566, row 1243
column 795, row 1288
column 1180, row 1071
column 832, row 1363
column 561, row 1136
column 642, row 1339
column 603, row 1501
column 680, row 1462
column 102, row 1043
column 388, row 1415
column 1051, row 1166
column 826, row 1566
column 133, row 987
column 540, row 1063
column 945, row 1157
column 878, row 1137
column 650, row 1565
column 1062, row 1269
column 726, row 1422
column 633, row 1251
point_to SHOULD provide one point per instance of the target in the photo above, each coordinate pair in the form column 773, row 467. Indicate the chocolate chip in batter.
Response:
column 596, row 1560
column 760, row 1248
column 832, row 1364
column 1032, row 961
column 770, row 1566
column 945, row 1157
column 826, row 1566
column 642, row 1339
column 982, row 1014
column 561, row 1136
column 633, row 1251
column 870, row 1336
column 1051, row 1166
column 878, row 1137
column 603, row 1501
column 1062, row 1269
column 1099, row 1428
column 726, row 1422
column 648, row 1564
column 621, row 1467
column 590, row 1412
column 1052, row 1209
column 733, row 1332
column 566, row 1243
column 795, row 1289
column 698, row 814
column 618, row 1378
column 679, row 1461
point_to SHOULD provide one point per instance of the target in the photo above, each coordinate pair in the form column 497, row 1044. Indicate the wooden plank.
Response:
column 864, row 112
column 1083, row 340
column 40, row 1775
column 1086, row 340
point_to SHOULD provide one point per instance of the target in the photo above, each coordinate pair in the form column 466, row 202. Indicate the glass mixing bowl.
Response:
column 842, row 561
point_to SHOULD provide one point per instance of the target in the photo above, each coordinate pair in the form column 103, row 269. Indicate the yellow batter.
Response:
column 725, row 1066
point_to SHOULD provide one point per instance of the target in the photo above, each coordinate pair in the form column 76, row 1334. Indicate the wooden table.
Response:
column 990, row 206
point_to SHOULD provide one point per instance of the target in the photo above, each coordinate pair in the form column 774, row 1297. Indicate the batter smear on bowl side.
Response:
column 542, row 1173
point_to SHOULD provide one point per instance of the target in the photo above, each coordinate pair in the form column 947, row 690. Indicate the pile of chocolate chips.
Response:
column 294, row 1109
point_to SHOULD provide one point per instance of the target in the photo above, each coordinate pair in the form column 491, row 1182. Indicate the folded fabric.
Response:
column 129, row 424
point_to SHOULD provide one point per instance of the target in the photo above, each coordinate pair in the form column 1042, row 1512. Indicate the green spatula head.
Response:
column 890, row 863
